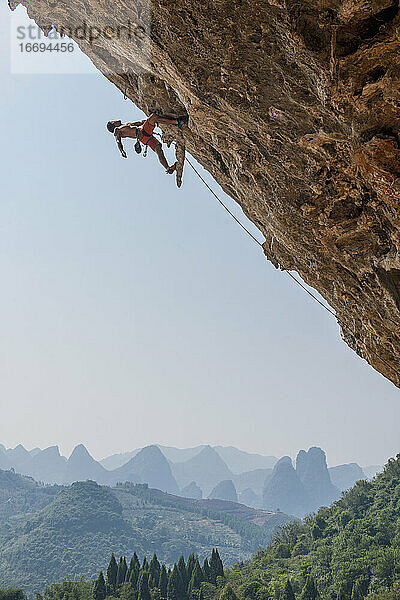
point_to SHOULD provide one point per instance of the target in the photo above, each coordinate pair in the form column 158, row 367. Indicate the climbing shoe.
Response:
column 171, row 169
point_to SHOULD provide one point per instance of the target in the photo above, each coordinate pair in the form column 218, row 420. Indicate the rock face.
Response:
column 312, row 471
column 81, row 466
column 284, row 491
column 48, row 466
column 224, row 490
column 148, row 466
column 207, row 468
column 295, row 110
column 345, row 476
column 302, row 490
column 192, row 491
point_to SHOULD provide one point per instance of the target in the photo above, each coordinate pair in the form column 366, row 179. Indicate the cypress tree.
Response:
column 219, row 563
column 356, row 592
column 197, row 577
column 154, row 570
column 175, row 585
column 134, row 564
column 213, row 576
column 216, row 566
column 145, row 565
column 309, row 591
column 134, row 580
column 228, row 593
column 99, row 589
column 112, row 573
column 190, row 565
column 183, row 572
column 125, row 569
column 143, row 587
column 206, row 571
column 288, row 593
column 341, row 595
column 163, row 582
column 134, row 570
column 121, row 571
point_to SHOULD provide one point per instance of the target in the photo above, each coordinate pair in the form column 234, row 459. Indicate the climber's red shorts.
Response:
column 146, row 136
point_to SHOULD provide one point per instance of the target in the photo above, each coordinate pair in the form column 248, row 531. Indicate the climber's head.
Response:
column 111, row 125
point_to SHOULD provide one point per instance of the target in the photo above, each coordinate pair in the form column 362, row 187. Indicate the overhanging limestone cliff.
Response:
column 294, row 109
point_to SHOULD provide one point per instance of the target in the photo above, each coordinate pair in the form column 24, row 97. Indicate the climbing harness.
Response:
column 138, row 145
column 344, row 326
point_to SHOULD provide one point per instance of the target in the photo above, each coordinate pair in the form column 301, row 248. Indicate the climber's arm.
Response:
column 118, row 139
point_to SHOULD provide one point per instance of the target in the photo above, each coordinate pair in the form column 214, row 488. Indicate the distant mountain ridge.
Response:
column 237, row 461
column 196, row 471
column 148, row 465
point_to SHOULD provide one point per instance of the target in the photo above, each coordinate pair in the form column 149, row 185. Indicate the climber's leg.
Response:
column 154, row 119
column 161, row 156
column 172, row 168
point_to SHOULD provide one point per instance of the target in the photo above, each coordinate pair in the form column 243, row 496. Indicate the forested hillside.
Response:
column 74, row 532
column 348, row 551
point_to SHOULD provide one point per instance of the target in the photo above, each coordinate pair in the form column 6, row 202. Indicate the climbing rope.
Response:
column 248, row 232
column 222, row 204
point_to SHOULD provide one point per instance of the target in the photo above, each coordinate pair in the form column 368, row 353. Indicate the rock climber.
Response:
column 142, row 131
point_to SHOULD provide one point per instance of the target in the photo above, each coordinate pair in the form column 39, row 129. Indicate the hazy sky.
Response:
column 133, row 312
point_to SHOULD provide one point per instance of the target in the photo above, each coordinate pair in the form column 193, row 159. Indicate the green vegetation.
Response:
column 152, row 581
column 69, row 590
column 252, row 536
column 348, row 551
column 20, row 496
column 146, row 581
column 12, row 594
column 72, row 535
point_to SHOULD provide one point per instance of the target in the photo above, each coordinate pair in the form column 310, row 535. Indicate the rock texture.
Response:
column 149, row 466
column 192, row 491
column 295, row 110
column 224, row 490
column 313, row 473
column 302, row 490
column 345, row 476
column 82, row 466
column 206, row 468
column 284, row 491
